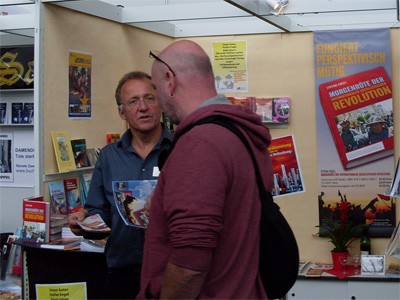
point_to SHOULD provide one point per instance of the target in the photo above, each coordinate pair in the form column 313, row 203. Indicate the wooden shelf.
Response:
column 15, row 90
column 16, row 125
column 63, row 175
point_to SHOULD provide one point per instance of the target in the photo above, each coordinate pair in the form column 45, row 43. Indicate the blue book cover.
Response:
column 16, row 112
column 3, row 113
column 58, row 197
column 27, row 113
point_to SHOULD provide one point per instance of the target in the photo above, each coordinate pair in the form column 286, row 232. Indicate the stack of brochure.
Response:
column 93, row 245
column 67, row 233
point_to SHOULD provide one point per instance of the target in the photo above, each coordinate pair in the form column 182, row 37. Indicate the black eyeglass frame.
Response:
column 153, row 55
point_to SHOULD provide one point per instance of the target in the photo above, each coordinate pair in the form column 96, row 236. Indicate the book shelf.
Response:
column 8, row 97
column 61, row 175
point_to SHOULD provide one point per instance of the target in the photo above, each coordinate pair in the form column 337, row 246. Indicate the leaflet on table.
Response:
column 130, row 198
column 94, row 223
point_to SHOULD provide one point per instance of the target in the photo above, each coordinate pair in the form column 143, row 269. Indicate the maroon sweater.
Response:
column 206, row 209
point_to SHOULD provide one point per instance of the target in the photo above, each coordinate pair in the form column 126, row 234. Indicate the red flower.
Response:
column 344, row 207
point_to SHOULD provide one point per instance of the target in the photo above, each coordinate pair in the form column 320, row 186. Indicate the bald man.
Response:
column 203, row 236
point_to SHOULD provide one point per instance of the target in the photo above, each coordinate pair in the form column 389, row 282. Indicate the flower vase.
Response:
column 337, row 265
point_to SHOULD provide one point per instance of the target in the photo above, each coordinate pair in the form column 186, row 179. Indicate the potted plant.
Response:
column 341, row 232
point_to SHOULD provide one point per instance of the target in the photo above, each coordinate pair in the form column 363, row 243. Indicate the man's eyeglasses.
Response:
column 153, row 55
column 134, row 102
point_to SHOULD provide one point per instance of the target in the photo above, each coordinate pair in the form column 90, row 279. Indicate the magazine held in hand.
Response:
column 130, row 198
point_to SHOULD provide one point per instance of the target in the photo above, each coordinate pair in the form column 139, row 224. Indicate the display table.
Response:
column 353, row 287
column 48, row 266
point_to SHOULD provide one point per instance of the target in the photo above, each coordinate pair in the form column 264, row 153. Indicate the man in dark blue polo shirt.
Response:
column 133, row 157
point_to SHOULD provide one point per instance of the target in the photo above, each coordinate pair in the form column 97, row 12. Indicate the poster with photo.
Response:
column 354, row 115
column 80, row 85
column 286, row 167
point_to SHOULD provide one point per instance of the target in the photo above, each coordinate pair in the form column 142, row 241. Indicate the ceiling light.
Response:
column 274, row 4
column 277, row 6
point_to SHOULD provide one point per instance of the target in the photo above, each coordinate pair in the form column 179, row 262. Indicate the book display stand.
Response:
column 59, row 266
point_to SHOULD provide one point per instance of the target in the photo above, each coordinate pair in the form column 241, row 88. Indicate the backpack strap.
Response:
column 265, row 197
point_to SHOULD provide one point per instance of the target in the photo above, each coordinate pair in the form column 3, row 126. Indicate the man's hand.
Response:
column 78, row 216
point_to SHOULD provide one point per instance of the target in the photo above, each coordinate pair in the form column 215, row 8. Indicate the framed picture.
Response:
column 372, row 265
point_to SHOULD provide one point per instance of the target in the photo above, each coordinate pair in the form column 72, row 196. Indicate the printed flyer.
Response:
column 230, row 66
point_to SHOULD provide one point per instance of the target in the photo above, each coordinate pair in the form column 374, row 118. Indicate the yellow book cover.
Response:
column 63, row 151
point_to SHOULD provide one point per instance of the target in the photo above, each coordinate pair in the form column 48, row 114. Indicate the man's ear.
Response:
column 121, row 113
column 171, row 82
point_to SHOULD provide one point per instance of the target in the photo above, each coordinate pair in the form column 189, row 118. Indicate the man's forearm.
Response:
column 181, row 283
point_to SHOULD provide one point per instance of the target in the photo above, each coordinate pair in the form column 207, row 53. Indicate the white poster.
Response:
column 17, row 159
column 6, row 155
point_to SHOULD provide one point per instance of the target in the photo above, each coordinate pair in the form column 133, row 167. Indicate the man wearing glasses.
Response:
column 203, row 236
column 133, row 157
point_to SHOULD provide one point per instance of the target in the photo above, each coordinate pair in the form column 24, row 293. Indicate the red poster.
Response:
column 287, row 172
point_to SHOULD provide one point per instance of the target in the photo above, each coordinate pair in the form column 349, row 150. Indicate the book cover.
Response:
column 55, row 236
column 36, row 221
column 3, row 113
column 79, row 150
column 58, row 197
column 288, row 177
column 63, row 151
column 394, row 269
column 27, row 113
column 112, row 137
column 271, row 110
column 130, row 198
column 12, row 250
column 92, row 155
column 55, row 230
column 250, row 103
column 314, row 272
column 280, row 110
column 16, row 112
column 35, row 198
column 264, row 109
column 72, row 193
column 354, row 106
column 85, row 180
column 63, row 244
column 58, row 220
